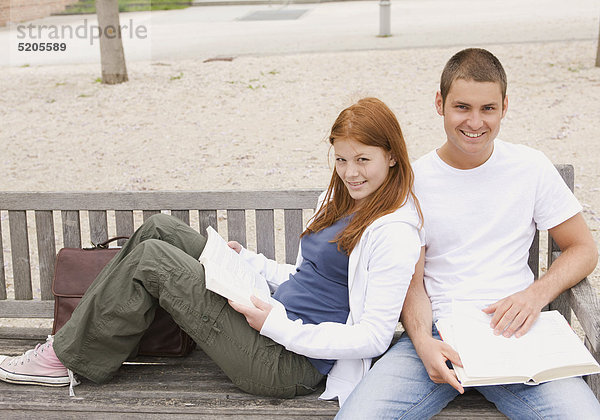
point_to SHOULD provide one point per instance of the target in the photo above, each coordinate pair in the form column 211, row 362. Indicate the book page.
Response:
column 446, row 330
column 228, row 275
column 549, row 344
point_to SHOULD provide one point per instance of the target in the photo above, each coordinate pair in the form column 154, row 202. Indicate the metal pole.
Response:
column 384, row 18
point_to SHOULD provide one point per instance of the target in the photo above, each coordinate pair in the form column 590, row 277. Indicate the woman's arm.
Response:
column 393, row 251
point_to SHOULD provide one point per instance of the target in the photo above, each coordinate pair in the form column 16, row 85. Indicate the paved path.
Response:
column 211, row 31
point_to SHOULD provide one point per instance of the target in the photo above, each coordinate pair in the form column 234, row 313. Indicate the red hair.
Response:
column 370, row 122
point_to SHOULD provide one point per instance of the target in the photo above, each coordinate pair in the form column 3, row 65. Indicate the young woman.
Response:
column 329, row 315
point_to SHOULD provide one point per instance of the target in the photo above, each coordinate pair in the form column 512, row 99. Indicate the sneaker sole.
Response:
column 33, row 380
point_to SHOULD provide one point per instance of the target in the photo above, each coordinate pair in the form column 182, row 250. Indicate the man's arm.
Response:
column 516, row 313
column 417, row 320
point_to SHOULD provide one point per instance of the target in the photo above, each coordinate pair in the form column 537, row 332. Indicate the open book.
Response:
column 549, row 350
column 228, row 275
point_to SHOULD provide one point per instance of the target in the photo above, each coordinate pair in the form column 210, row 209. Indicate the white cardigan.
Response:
column 380, row 268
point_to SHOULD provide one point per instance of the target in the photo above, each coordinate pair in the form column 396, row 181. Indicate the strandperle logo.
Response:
column 82, row 31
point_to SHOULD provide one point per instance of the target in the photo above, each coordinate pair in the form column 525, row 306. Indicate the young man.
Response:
column 482, row 200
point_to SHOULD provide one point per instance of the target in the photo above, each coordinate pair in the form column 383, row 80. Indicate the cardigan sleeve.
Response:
column 388, row 261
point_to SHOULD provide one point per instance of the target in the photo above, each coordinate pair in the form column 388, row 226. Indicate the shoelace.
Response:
column 26, row 357
column 72, row 382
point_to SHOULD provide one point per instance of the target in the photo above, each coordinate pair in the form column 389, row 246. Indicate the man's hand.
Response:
column 256, row 315
column 235, row 245
column 434, row 354
column 515, row 314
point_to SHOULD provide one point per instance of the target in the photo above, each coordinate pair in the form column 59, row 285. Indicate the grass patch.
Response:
column 89, row 6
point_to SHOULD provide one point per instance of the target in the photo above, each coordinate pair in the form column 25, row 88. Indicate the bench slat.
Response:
column 534, row 255
column 124, row 224
column 265, row 233
column 98, row 226
column 2, row 273
column 149, row 213
column 71, row 229
column 19, row 244
column 207, row 218
column 293, row 228
column 44, row 223
column 23, row 333
column 27, row 309
column 183, row 215
column 236, row 226
column 561, row 303
column 593, row 381
column 152, row 200
column 583, row 298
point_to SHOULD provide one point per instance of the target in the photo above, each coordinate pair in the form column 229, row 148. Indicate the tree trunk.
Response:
column 598, row 51
column 112, row 58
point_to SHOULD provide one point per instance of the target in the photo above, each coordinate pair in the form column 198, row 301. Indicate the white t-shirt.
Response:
column 479, row 223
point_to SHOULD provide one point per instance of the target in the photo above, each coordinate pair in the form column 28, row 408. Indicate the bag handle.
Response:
column 104, row 244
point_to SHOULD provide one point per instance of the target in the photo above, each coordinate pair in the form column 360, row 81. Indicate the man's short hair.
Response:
column 474, row 64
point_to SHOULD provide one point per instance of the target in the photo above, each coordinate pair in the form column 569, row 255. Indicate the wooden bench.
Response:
column 39, row 223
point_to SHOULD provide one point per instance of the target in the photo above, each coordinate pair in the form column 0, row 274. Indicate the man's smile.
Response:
column 472, row 135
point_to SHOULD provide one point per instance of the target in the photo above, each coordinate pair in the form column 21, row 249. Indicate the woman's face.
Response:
column 362, row 168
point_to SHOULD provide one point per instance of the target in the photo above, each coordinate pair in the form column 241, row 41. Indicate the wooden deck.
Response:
column 188, row 387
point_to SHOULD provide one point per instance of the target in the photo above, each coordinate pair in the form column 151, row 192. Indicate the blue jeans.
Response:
column 398, row 387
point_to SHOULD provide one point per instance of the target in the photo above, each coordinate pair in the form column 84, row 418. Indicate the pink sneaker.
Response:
column 38, row 366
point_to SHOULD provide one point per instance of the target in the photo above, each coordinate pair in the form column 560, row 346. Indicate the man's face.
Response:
column 472, row 115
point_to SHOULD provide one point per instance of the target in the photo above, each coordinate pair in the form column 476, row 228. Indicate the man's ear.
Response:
column 504, row 105
column 439, row 103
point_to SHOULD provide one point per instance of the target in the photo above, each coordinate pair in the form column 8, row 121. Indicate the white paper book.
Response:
column 228, row 275
column 550, row 350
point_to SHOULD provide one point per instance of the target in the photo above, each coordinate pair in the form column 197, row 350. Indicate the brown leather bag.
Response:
column 74, row 272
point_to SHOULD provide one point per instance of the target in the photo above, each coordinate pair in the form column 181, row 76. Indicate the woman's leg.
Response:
column 159, row 264
column 40, row 365
column 163, row 227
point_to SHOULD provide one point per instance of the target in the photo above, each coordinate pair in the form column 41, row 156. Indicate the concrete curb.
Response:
column 201, row 3
column 263, row 2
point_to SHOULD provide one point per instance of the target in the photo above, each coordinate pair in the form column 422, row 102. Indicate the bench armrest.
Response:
column 584, row 302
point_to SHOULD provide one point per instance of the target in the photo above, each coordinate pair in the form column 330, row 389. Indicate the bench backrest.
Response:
column 113, row 212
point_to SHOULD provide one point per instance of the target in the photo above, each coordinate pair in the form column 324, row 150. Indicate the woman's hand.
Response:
column 235, row 245
column 256, row 315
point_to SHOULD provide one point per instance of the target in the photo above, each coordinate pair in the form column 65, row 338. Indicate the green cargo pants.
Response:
column 159, row 266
